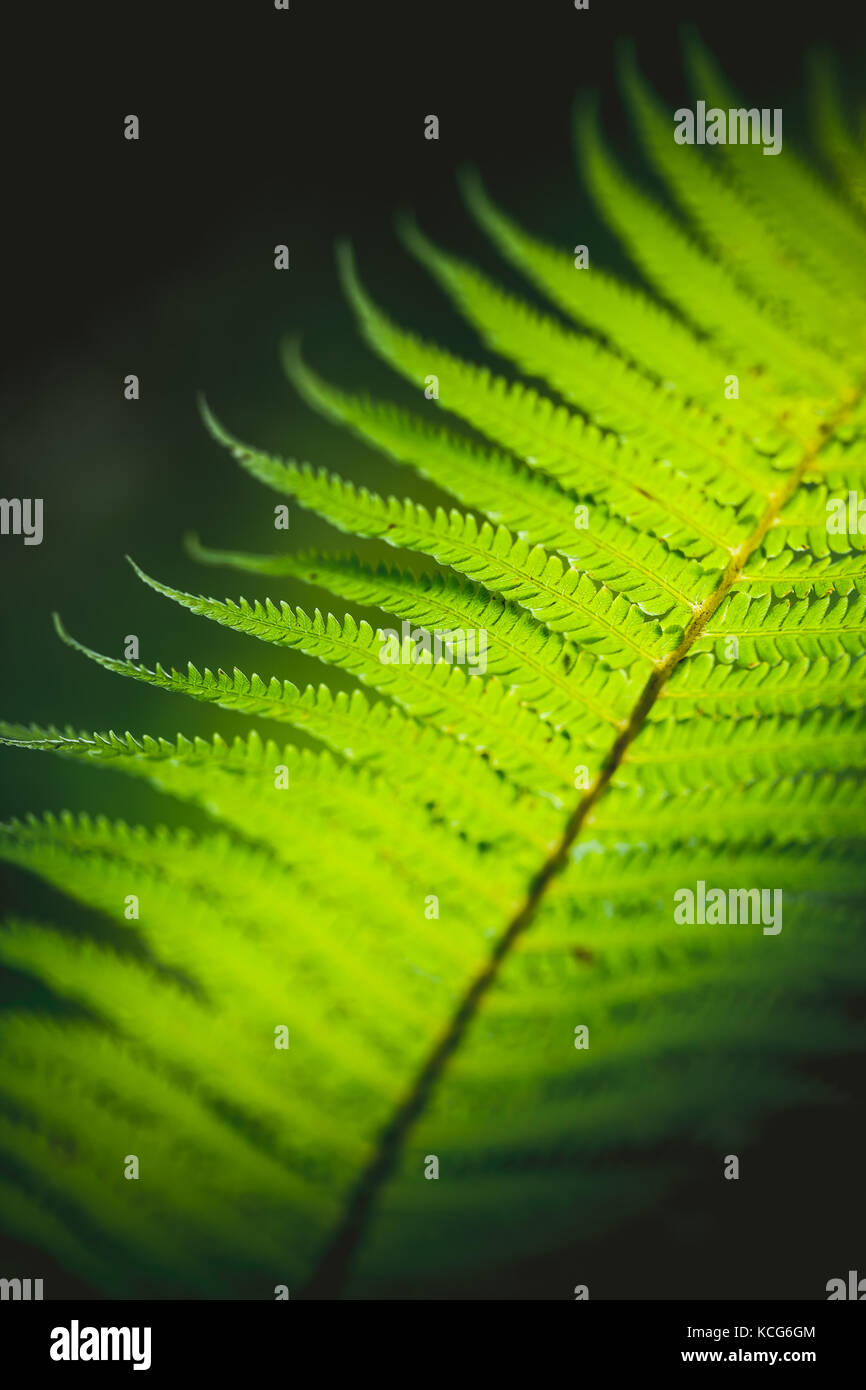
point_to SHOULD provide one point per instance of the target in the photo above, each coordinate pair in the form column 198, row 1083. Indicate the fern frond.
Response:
column 703, row 289
column 611, row 392
column 834, row 133
column 829, row 241
column 765, row 262
column 705, row 753
column 508, row 492
column 701, row 686
column 484, row 713
column 477, row 859
column 548, row 436
column 648, row 334
column 542, row 665
column 774, row 632
column 561, row 596
column 779, row 809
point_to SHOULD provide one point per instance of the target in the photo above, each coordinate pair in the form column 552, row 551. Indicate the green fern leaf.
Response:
column 371, row 954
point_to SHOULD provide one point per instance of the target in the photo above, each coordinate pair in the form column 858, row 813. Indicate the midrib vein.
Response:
column 332, row 1270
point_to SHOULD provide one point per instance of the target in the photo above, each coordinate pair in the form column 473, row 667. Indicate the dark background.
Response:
column 261, row 127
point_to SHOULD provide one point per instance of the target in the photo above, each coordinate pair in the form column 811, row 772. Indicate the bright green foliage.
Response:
column 672, row 692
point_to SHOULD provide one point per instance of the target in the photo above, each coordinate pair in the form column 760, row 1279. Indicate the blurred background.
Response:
column 155, row 257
